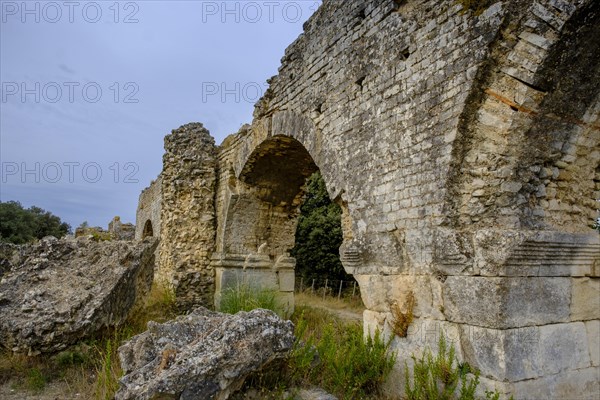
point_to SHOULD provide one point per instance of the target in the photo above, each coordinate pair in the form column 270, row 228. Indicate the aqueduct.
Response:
column 463, row 145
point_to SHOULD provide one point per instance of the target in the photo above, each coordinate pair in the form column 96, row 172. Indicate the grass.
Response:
column 246, row 297
column 329, row 353
column 91, row 369
column 442, row 377
column 345, row 303
column 336, row 357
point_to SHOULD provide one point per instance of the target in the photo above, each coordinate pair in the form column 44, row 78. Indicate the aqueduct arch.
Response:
column 148, row 231
column 260, row 204
column 464, row 147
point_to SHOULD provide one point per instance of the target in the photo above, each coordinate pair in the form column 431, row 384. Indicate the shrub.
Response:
column 442, row 377
column 340, row 359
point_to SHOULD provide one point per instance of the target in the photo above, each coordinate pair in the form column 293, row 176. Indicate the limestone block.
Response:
column 585, row 299
column 526, row 353
column 581, row 384
column 379, row 292
column 422, row 334
column 286, row 279
column 506, row 302
column 593, row 334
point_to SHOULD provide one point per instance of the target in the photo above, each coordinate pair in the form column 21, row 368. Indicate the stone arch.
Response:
column 262, row 192
column 148, row 231
column 529, row 135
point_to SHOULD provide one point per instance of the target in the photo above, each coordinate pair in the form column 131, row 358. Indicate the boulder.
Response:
column 62, row 291
column 202, row 355
column 10, row 255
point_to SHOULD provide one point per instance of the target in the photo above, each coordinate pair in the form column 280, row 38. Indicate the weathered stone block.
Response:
column 506, row 302
column 585, row 299
column 286, row 280
column 422, row 334
column 593, row 334
column 380, row 292
column 526, row 353
column 583, row 384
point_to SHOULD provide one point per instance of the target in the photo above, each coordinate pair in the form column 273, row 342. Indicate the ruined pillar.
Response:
column 187, row 228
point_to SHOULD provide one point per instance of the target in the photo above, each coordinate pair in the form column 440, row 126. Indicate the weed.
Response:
column 338, row 358
column 70, row 358
column 36, row 381
column 402, row 319
column 442, row 377
column 247, row 297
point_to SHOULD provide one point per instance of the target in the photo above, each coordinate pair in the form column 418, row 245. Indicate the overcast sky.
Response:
column 89, row 90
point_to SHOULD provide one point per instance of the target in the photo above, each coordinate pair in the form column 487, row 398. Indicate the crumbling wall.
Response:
column 121, row 231
column 187, row 220
column 148, row 210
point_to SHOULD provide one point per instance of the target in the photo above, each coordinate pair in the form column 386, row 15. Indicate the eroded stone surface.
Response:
column 202, row 355
column 507, row 302
column 63, row 291
column 585, row 300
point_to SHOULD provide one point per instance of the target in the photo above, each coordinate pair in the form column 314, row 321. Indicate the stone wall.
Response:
column 464, row 150
column 187, row 220
column 148, row 211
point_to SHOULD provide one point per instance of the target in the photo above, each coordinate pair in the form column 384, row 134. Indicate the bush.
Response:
column 442, row 377
column 339, row 359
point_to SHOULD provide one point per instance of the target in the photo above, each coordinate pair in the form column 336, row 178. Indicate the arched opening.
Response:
column 147, row 232
column 319, row 269
column 262, row 215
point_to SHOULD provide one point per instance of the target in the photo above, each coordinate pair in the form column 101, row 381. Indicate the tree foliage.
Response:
column 319, row 235
column 20, row 225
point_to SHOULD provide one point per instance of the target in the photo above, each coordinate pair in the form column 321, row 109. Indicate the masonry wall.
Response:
column 149, row 206
column 464, row 150
column 465, row 159
column 188, row 215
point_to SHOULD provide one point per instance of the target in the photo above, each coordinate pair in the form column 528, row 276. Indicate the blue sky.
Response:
column 89, row 90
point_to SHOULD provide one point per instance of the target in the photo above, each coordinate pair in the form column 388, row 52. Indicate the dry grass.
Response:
column 333, row 303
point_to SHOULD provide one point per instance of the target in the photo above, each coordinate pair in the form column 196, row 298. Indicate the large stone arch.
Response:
column 261, row 191
column 527, row 146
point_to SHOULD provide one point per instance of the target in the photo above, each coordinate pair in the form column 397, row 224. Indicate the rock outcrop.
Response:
column 203, row 355
column 62, row 291
column 10, row 255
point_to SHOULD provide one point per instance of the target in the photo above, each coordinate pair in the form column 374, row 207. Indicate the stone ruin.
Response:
column 117, row 230
column 463, row 146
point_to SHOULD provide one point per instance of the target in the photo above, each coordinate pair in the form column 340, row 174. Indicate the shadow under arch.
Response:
column 147, row 231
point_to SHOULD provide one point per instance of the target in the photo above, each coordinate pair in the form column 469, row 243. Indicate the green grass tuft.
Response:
column 246, row 297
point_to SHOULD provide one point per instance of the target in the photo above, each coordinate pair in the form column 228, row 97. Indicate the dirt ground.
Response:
column 52, row 391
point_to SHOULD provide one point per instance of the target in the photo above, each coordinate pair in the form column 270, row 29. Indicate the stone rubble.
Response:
column 203, row 355
column 59, row 292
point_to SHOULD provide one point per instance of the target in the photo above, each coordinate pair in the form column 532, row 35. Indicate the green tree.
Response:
column 319, row 235
column 19, row 225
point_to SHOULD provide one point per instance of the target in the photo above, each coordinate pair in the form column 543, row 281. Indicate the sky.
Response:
column 89, row 89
